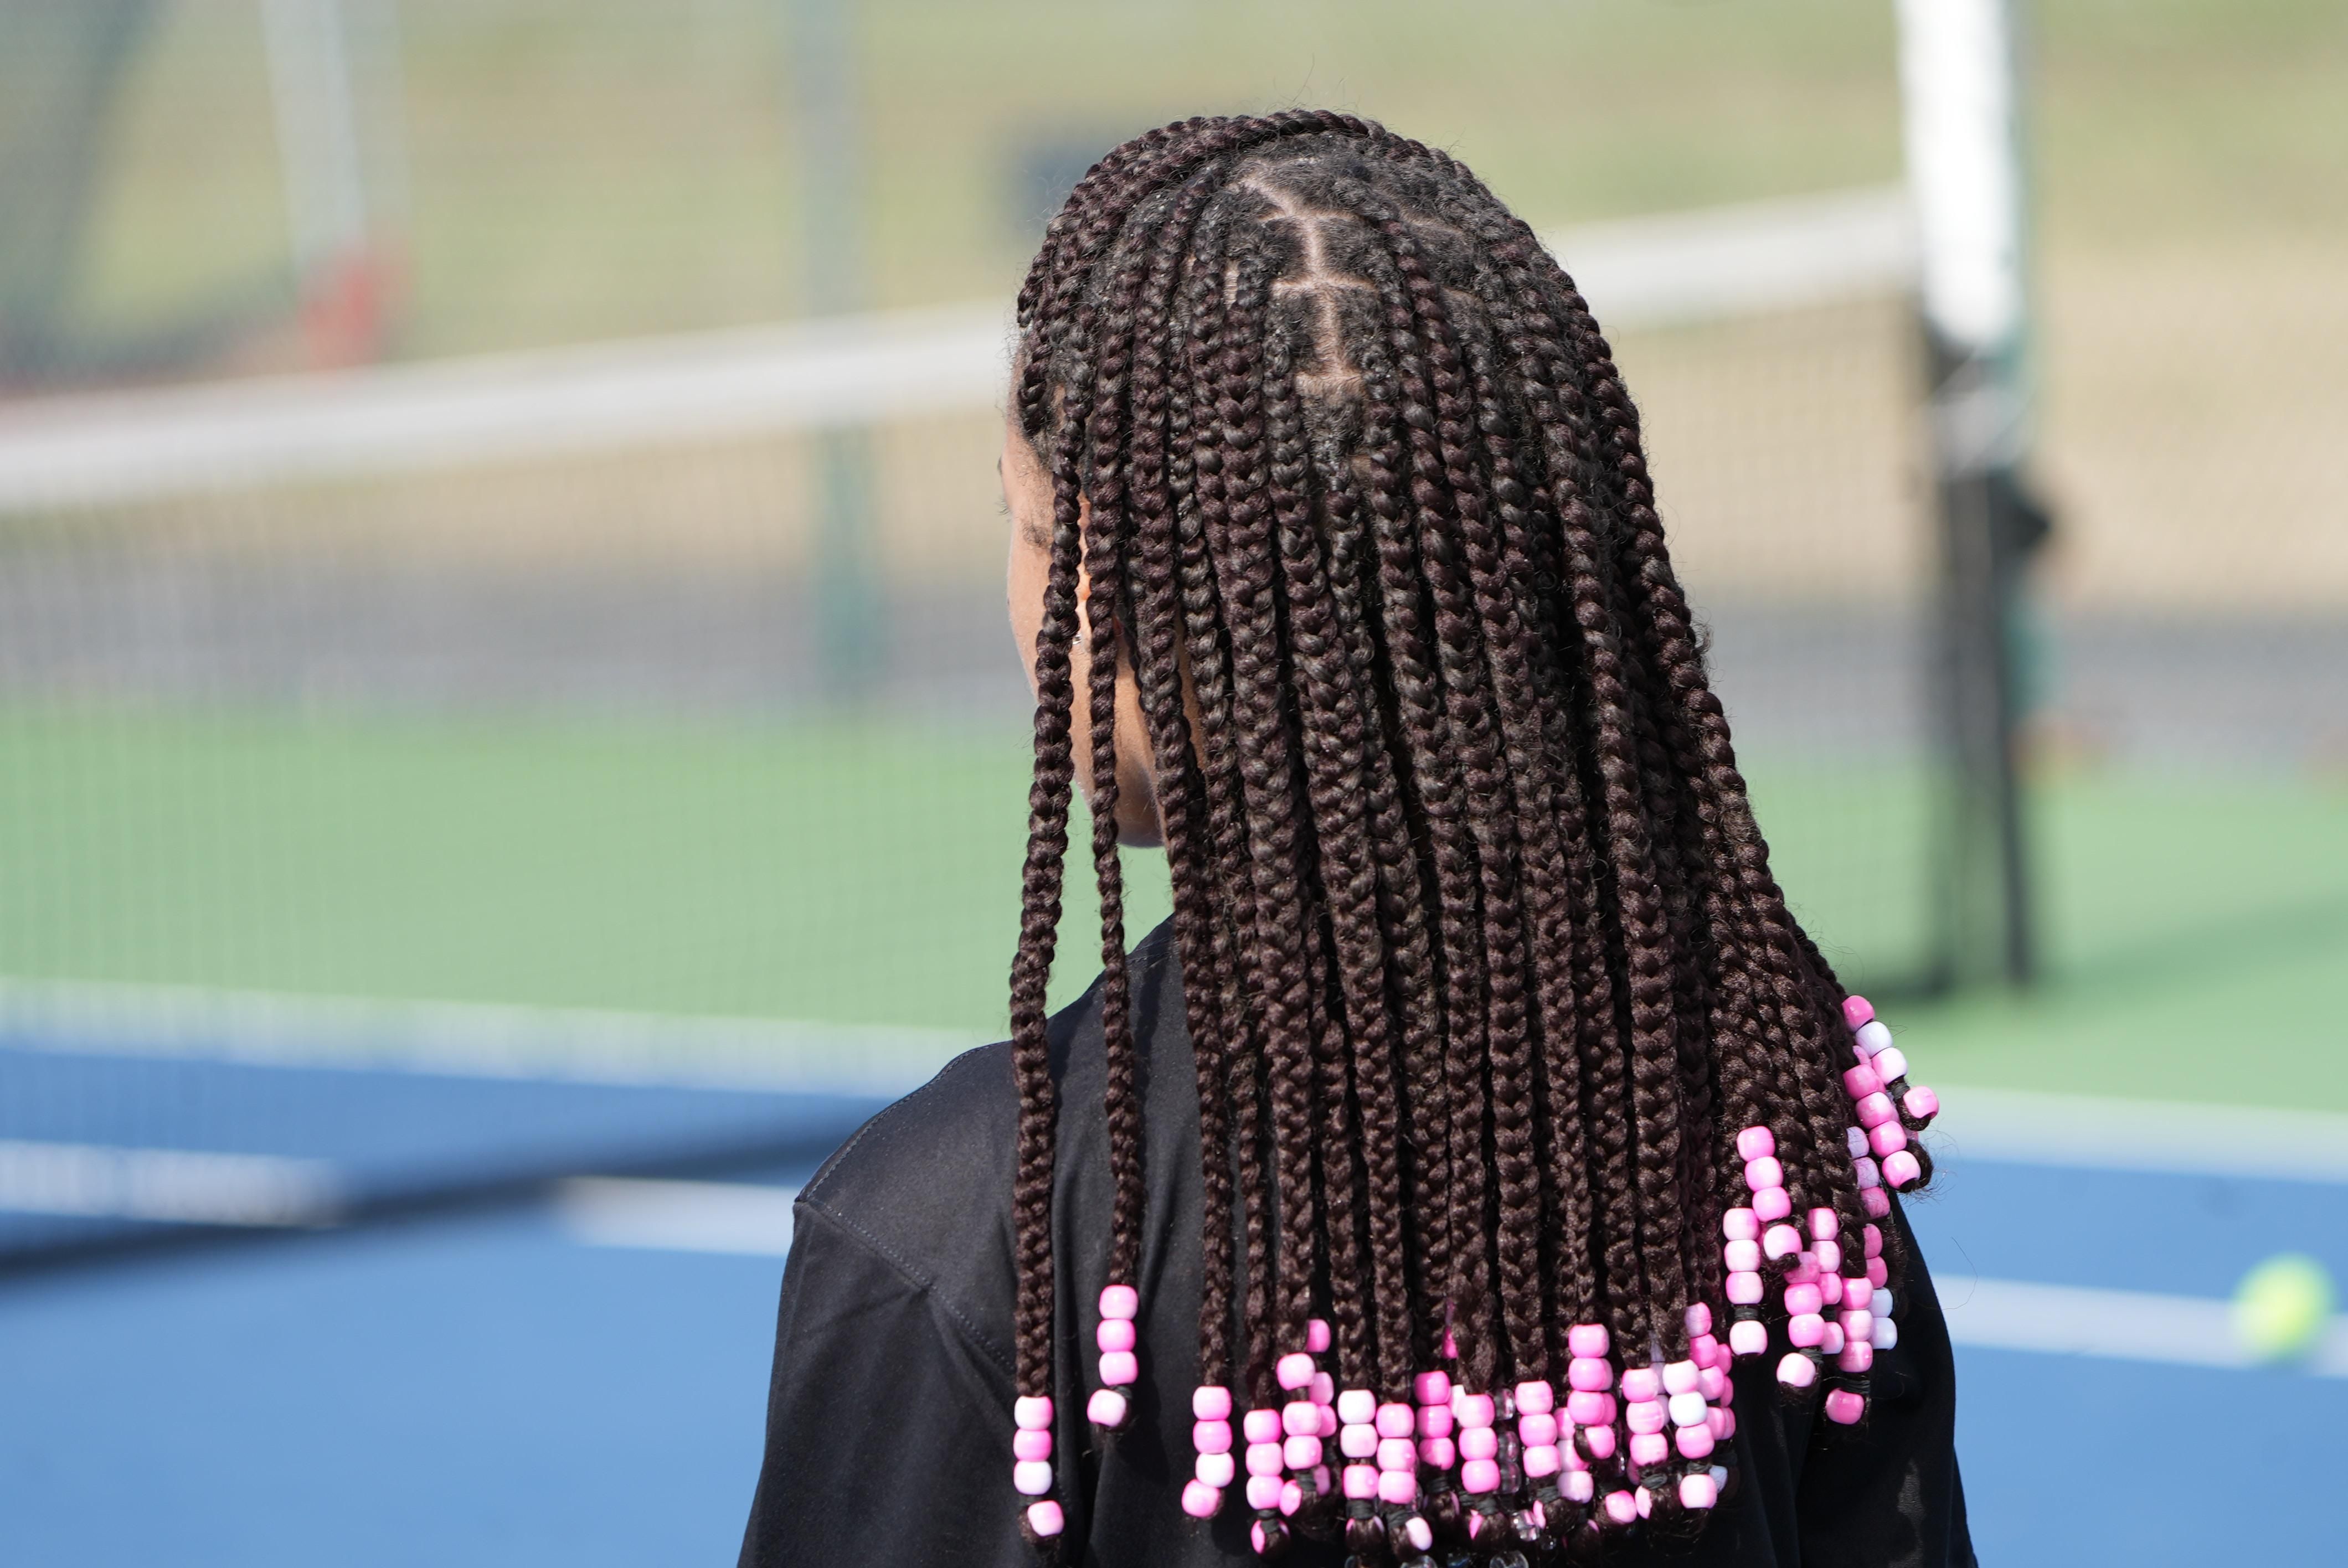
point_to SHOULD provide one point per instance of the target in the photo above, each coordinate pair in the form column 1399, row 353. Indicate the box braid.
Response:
column 1496, row 1008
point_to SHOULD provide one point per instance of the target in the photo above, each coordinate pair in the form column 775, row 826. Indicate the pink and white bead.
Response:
column 1031, row 1464
column 1120, row 1367
column 1478, row 1442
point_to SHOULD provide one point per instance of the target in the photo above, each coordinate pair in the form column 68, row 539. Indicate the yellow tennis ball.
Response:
column 2282, row 1306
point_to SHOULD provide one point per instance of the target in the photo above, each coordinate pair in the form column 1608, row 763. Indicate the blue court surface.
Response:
column 574, row 1373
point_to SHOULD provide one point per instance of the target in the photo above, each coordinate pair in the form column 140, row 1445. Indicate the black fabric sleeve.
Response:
column 887, row 1430
column 1887, row 1494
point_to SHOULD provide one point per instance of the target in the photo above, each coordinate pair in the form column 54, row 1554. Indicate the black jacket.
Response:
column 889, row 1421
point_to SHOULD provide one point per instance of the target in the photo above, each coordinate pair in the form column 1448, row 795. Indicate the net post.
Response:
column 844, row 595
column 1964, row 138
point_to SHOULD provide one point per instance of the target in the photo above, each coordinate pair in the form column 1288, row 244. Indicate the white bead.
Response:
column 1687, row 1410
column 1884, row 1335
column 1217, row 1470
column 1855, row 1141
column 1032, row 1477
column 1880, row 1304
column 1872, row 1038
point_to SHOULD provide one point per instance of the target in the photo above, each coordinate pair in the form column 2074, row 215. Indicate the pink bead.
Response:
column 1692, row 1442
column 1357, row 1407
column 1806, row 1329
column 1201, row 1501
column 1533, row 1430
column 1858, row 1356
column 1795, row 1372
column 1645, row 1415
column 1600, row 1441
column 1872, row 1037
column 1478, row 1477
column 1829, row 1288
column 1106, row 1407
column 1878, row 1274
column 1479, row 1443
column 1780, row 1242
column 1361, row 1481
column 1542, row 1459
column 1889, row 1064
column 1437, row 1452
column 1398, row 1487
column 1031, row 1412
column 1301, row 1454
column 1323, row 1388
column 1888, row 1138
column 1215, row 1469
column 1210, row 1403
column 1264, row 1458
column 1396, row 1421
column 1844, row 1406
column 1743, row 1256
column 1030, row 1445
column 1587, row 1407
column 1032, row 1477
column 1871, row 1242
column 1435, row 1422
column 1869, row 1175
column 1398, row 1453
column 1858, row 1323
column 1756, row 1144
column 1300, row 1419
column 1713, row 1384
column 1823, row 1224
column 1828, row 1255
column 1119, row 1301
column 1764, row 1173
column 1720, row 1422
column 1432, row 1388
column 1922, row 1104
column 1876, row 1202
column 1587, row 1372
column 1875, row 1111
column 1211, row 1436
column 1115, row 1334
column 1046, row 1518
column 1856, row 1012
column 1862, row 1080
column 1680, row 1376
column 1736, row 1225
column 1744, row 1288
column 1472, row 1410
column 1831, row 1342
column 1774, row 1205
column 1118, row 1368
column 1535, row 1398
column 1801, row 1271
column 1650, row 1448
column 1328, row 1423
column 1748, row 1338
column 1699, row 1491
column 1261, row 1426
column 1263, row 1491
column 1641, row 1383
column 1317, row 1335
column 1587, row 1340
column 1902, row 1170
column 1294, row 1371
column 1622, row 1508
column 1697, row 1319
column 1705, row 1350
column 1801, row 1299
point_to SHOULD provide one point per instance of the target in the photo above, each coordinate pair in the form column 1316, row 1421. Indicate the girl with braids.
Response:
column 1481, row 1165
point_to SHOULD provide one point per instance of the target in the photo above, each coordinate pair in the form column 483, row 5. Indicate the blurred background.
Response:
column 508, row 746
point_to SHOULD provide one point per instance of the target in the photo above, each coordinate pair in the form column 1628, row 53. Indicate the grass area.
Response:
column 815, row 870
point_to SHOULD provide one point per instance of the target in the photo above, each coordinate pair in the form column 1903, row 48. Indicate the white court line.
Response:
column 2118, row 1325
column 471, row 1039
column 676, row 1216
column 2018, row 1127
column 176, row 1186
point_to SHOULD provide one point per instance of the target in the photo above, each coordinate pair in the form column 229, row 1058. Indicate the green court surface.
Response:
column 859, row 873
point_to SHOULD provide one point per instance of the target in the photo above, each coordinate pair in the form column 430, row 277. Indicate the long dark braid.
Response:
column 1494, row 1002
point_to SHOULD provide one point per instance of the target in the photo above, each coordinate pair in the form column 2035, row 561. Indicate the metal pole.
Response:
column 827, row 132
column 1958, row 77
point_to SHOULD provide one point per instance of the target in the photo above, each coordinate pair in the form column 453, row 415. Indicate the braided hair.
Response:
column 1502, row 1025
